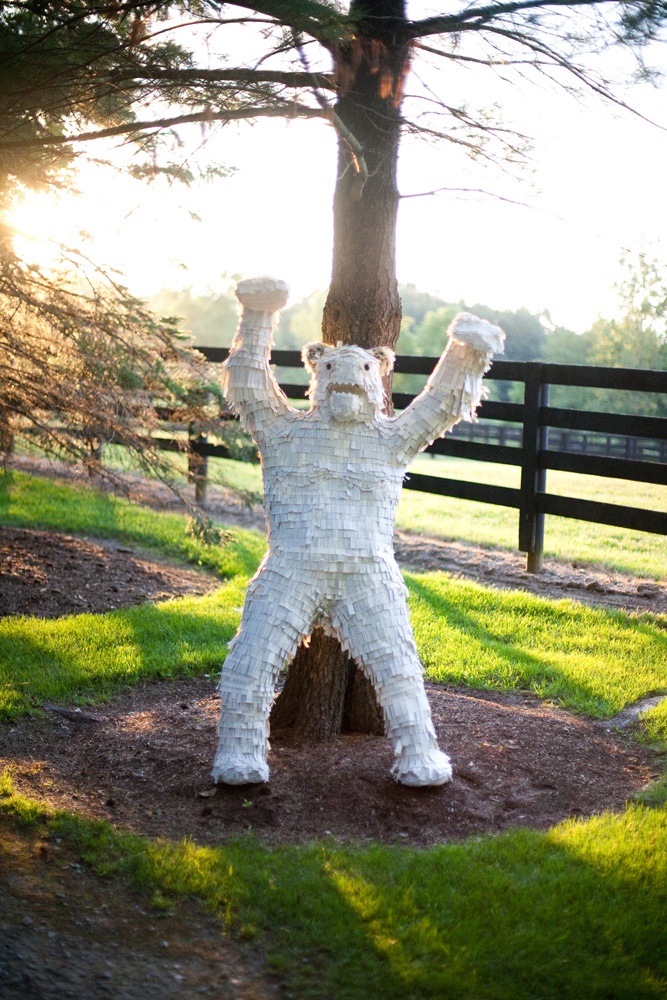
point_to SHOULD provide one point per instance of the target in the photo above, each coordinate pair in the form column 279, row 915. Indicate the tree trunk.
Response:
column 363, row 306
column 324, row 689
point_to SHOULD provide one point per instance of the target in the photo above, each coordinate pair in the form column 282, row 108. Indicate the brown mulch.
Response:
column 142, row 760
column 48, row 575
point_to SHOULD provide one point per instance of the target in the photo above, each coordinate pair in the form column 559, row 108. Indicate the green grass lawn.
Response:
column 587, row 659
column 577, row 911
column 83, row 658
column 33, row 502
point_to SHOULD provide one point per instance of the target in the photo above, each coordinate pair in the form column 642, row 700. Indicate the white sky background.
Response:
column 597, row 190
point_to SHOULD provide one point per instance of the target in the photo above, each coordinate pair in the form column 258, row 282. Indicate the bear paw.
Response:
column 240, row 769
column 482, row 336
column 262, row 294
column 422, row 770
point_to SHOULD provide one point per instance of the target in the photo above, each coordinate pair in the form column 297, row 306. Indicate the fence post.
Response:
column 197, row 464
column 533, row 475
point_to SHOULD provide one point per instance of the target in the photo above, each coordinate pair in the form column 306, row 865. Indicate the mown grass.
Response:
column 85, row 658
column 574, row 912
column 587, row 659
column 33, row 502
column 655, row 723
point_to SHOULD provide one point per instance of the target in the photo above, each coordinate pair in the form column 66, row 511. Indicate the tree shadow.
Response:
column 87, row 657
column 574, row 912
column 520, row 669
column 526, row 914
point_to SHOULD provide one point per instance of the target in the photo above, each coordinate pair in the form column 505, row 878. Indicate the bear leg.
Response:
column 267, row 638
column 374, row 627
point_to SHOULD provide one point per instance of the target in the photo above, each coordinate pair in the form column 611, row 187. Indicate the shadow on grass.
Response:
column 512, row 667
column 87, row 657
column 574, row 912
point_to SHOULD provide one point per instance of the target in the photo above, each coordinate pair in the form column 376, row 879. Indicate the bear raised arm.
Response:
column 247, row 381
column 454, row 388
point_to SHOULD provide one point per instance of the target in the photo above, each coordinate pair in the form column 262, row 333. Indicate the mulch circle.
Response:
column 142, row 762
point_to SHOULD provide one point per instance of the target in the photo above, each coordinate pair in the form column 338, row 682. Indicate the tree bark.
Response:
column 363, row 306
column 324, row 688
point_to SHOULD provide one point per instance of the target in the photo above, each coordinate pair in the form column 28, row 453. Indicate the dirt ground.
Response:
column 48, row 575
column 65, row 936
column 141, row 761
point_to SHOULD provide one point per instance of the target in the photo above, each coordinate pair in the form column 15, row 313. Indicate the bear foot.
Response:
column 239, row 769
column 423, row 770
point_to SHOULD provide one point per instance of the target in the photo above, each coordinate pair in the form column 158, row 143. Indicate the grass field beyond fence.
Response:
column 626, row 551
column 635, row 552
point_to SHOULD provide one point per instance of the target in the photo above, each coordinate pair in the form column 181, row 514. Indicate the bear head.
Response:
column 346, row 382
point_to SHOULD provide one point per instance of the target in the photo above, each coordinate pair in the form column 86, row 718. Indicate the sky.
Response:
column 550, row 241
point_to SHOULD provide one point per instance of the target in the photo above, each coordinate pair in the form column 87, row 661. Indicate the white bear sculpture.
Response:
column 332, row 480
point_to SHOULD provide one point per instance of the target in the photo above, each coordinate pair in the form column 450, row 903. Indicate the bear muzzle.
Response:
column 346, row 387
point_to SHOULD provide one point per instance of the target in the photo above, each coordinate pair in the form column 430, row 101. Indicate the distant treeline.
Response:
column 636, row 339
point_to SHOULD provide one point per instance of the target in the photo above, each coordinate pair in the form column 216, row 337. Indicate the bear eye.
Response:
column 329, row 365
column 367, row 367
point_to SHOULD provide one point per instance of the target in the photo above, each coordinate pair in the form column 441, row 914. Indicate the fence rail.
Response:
column 543, row 438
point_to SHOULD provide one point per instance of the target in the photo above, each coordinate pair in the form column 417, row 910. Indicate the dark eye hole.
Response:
column 367, row 367
column 329, row 365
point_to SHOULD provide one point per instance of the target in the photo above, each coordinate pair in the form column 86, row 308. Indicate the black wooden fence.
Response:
column 562, row 439
column 532, row 448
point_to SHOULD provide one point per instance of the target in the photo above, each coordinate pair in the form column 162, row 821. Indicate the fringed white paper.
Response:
column 332, row 480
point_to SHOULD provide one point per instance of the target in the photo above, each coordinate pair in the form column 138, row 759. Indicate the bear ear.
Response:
column 386, row 358
column 311, row 354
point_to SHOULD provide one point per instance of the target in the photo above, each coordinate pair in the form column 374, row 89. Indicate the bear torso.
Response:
column 330, row 492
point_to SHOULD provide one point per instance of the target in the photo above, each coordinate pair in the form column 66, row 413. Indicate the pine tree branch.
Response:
column 319, row 20
column 476, row 17
column 557, row 60
column 283, row 111
column 242, row 75
column 458, row 57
